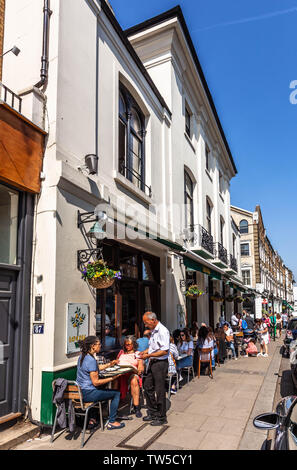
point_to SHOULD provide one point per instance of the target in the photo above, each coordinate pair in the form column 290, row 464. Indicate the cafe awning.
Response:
column 195, row 266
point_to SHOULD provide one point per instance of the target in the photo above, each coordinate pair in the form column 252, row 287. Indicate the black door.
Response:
column 7, row 335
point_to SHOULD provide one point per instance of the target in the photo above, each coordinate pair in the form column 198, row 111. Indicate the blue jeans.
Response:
column 230, row 345
column 184, row 362
column 101, row 395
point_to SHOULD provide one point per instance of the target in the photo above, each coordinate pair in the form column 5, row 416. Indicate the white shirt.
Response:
column 159, row 341
column 234, row 320
column 228, row 332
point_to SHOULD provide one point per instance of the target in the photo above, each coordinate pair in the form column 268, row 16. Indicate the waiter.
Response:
column 154, row 383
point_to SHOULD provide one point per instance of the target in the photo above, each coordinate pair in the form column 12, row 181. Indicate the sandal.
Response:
column 92, row 424
column 110, row 426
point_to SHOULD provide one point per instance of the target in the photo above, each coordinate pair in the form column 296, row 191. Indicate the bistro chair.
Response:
column 73, row 392
column 204, row 357
column 189, row 369
column 217, row 356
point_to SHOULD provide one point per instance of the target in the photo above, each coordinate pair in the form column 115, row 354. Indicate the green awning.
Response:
column 195, row 266
column 172, row 245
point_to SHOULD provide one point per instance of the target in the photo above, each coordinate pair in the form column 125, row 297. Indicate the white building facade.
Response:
column 138, row 101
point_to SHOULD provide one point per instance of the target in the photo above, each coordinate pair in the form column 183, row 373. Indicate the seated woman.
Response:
column 185, row 347
column 128, row 356
column 90, row 383
column 204, row 342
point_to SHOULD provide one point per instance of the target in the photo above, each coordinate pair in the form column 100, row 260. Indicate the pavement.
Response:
column 206, row 414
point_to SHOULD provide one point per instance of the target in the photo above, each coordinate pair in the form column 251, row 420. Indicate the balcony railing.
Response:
column 11, row 98
column 198, row 236
column 206, row 240
column 233, row 263
column 221, row 253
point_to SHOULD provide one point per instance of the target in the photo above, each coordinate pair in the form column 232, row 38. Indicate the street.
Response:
column 205, row 414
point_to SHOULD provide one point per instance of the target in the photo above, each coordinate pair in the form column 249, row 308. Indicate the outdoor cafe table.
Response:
column 122, row 371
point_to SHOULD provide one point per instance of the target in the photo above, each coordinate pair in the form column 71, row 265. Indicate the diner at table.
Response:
column 129, row 356
column 185, row 347
column 90, row 383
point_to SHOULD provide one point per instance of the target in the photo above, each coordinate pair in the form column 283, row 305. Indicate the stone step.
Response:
column 16, row 434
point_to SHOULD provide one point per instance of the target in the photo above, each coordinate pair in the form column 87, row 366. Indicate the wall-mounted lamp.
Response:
column 91, row 161
column 14, row 49
column 91, row 164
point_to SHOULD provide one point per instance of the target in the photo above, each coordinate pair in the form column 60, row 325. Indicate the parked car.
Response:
column 291, row 335
column 293, row 361
column 284, row 421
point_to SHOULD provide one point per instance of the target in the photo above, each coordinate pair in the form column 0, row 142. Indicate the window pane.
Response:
column 128, row 265
column 243, row 226
column 8, row 225
column 246, row 277
column 135, row 121
column 122, row 147
column 147, row 274
column 244, row 247
column 122, row 107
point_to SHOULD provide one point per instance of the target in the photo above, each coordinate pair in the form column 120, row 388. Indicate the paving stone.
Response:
column 219, row 441
column 186, row 438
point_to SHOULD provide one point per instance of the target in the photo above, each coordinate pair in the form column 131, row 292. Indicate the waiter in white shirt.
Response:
column 154, row 382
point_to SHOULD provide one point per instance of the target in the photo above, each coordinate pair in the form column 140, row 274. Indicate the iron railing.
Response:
column 206, row 240
column 233, row 263
column 130, row 173
column 199, row 236
column 222, row 253
column 11, row 98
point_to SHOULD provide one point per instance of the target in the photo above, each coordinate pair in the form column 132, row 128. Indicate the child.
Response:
column 251, row 349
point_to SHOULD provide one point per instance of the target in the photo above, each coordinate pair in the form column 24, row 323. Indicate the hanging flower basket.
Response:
column 194, row 292
column 229, row 298
column 217, row 297
column 99, row 275
column 239, row 299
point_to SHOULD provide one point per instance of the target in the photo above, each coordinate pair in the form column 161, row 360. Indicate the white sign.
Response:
column 77, row 326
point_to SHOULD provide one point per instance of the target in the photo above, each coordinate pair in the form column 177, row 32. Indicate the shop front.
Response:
column 119, row 308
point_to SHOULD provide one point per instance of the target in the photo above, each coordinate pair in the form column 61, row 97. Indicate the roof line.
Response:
column 177, row 11
column 111, row 17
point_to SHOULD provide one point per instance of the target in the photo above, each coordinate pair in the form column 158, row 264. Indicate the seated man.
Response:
column 230, row 340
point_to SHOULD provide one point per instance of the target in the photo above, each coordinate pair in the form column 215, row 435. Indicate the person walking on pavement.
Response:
column 155, row 378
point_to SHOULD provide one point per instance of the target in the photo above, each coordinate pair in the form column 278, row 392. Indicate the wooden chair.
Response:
column 207, row 360
column 73, row 392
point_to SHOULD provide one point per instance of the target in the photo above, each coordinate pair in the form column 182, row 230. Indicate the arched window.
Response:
column 189, row 206
column 131, row 139
column 244, row 226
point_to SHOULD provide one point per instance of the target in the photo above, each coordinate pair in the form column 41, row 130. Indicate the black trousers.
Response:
column 155, row 388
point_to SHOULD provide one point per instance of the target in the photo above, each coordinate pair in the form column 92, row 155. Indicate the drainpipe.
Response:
column 45, row 46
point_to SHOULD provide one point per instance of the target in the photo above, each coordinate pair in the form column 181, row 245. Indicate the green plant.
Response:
column 194, row 290
column 99, row 270
column 217, row 297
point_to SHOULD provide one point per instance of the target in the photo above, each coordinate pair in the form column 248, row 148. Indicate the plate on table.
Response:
column 110, row 369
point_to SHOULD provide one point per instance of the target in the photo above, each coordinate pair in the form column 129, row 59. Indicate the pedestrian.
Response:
column 230, row 340
column 249, row 320
column 278, row 325
column 234, row 321
column 262, row 330
column 284, row 320
column 155, row 378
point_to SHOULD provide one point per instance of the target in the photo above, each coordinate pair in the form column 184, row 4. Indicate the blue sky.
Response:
column 248, row 53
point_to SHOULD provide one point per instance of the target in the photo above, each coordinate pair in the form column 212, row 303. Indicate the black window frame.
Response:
column 127, row 169
column 188, row 118
column 208, row 215
column 189, row 198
